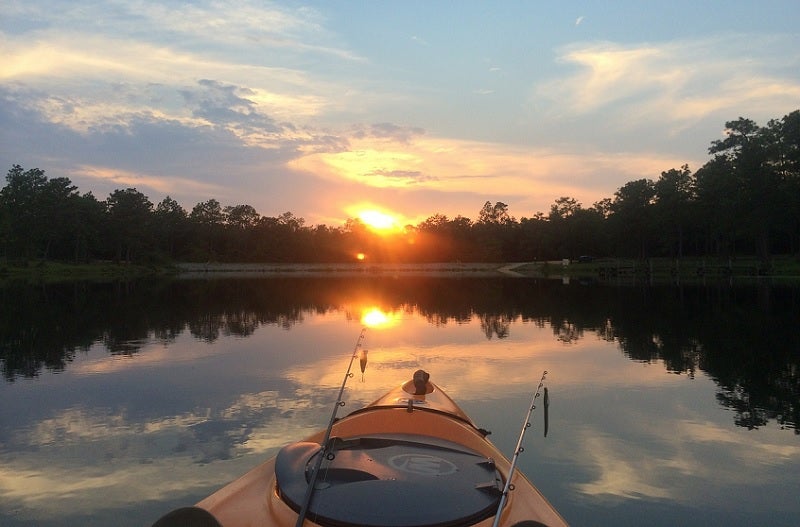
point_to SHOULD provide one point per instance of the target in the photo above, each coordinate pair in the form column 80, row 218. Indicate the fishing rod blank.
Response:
column 517, row 451
column 323, row 453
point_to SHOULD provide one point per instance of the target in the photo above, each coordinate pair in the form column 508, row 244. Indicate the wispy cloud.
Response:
column 534, row 176
column 162, row 184
column 679, row 81
column 419, row 40
column 244, row 25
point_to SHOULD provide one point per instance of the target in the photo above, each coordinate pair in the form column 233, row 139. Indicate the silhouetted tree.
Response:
column 674, row 198
column 171, row 226
column 129, row 223
column 631, row 217
column 746, row 150
column 208, row 221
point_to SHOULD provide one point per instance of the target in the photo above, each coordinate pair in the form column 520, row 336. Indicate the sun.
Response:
column 378, row 221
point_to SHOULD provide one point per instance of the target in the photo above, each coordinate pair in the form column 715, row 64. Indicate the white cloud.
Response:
column 246, row 25
column 678, row 82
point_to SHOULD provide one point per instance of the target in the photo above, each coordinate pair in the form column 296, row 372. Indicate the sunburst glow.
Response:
column 377, row 220
column 374, row 317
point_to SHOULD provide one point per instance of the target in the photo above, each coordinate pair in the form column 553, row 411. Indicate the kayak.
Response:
column 412, row 458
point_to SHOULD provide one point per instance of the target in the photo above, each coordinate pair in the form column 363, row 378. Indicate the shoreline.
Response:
column 602, row 270
column 205, row 270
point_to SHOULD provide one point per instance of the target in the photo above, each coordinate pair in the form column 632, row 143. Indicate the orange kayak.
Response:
column 412, row 458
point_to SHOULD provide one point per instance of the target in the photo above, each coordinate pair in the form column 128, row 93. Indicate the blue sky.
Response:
column 325, row 109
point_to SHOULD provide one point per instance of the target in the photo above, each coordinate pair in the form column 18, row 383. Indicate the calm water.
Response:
column 669, row 405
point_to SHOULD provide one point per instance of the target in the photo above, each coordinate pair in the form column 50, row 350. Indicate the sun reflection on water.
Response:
column 375, row 318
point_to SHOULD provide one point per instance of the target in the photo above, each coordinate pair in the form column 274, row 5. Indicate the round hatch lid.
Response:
column 406, row 481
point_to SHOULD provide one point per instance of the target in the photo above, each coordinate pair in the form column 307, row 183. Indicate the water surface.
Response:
column 669, row 405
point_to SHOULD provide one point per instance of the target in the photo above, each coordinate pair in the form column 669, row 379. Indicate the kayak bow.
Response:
column 412, row 458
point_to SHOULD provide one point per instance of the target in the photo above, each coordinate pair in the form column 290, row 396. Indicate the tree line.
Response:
column 744, row 201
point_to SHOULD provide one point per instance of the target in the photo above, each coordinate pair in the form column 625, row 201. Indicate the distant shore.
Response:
column 603, row 270
column 606, row 269
column 193, row 270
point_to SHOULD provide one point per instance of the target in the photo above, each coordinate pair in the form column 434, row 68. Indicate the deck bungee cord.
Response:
column 526, row 423
column 325, row 450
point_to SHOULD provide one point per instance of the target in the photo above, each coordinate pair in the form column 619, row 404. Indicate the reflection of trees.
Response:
column 745, row 338
column 566, row 331
column 495, row 325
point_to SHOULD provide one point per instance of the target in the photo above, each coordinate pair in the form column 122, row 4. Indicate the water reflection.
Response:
column 745, row 338
column 165, row 391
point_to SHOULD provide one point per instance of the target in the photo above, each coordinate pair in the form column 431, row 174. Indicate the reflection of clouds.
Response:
column 151, row 354
column 620, row 474
column 671, row 457
column 743, row 449
column 94, row 458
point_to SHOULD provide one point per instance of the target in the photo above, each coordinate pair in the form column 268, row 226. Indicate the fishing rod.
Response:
column 324, row 453
column 519, row 449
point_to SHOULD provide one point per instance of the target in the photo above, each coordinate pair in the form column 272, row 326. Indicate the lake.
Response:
column 669, row 405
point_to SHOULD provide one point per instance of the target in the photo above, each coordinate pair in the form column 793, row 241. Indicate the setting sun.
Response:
column 379, row 221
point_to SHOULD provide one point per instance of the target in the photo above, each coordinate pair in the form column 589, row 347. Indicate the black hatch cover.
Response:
column 399, row 481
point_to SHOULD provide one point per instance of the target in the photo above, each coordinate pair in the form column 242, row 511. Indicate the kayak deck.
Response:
column 406, row 460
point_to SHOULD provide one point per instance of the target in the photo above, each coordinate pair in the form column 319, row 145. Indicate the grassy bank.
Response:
column 36, row 272
column 607, row 269
column 667, row 268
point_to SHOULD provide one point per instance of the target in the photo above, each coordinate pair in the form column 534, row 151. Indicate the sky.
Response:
column 327, row 109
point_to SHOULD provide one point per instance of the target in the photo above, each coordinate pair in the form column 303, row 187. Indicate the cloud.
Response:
column 230, row 107
column 232, row 24
column 533, row 176
column 390, row 131
column 679, row 82
column 105, row 78
column 579, row 20
column 164, row 185
column 419, row 40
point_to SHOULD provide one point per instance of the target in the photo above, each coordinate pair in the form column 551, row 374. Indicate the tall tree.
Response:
column 674, row 197
column 494, row 232
column 91, row 216
column 22, row 199
column 785, row 157
column 747, row 149
column 129, row 221
column 42, row 216
column 631, row 215
column 208, row 220
column 171, row 226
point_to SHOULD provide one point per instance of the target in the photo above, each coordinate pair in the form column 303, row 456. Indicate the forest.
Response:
column 744, row 201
